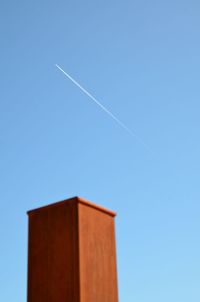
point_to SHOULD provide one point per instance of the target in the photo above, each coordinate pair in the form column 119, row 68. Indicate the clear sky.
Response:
column 141, row 59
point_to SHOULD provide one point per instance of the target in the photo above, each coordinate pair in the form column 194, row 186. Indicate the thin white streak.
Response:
column 103, row 107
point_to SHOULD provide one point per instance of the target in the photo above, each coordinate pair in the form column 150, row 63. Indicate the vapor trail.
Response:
column 102, row 107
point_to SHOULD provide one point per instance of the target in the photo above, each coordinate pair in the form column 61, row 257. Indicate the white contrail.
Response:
column 102, row 107
column 96, row 101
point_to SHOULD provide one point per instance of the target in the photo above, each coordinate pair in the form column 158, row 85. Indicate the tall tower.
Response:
column 72, row 253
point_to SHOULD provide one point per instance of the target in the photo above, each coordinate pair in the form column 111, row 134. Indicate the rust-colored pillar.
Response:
column 71, row 253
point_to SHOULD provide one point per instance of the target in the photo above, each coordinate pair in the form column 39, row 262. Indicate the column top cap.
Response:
column 77, row 200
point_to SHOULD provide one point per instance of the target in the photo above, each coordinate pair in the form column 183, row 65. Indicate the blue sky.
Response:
column 141, row 59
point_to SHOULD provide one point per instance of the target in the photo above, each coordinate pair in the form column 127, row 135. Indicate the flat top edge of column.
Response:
column 76, row 199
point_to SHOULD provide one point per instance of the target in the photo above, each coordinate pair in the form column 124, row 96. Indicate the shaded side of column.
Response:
column 53, row 267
